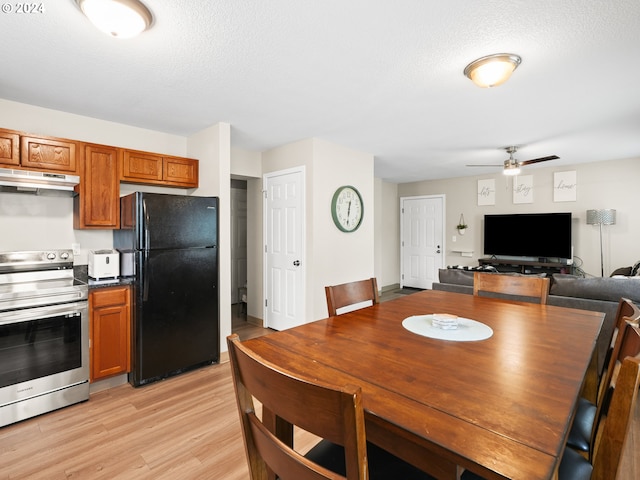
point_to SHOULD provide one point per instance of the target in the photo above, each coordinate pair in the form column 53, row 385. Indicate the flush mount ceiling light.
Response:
column 492, row 70
column 118, row 18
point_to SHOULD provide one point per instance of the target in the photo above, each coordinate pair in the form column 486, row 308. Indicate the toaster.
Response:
column 104, row 264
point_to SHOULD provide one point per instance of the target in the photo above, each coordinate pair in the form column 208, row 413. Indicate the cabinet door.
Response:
column 9, row 148
column 98, row 204
column 141, row 166
column 48, row 154
column 110, row 332
column 183, row 171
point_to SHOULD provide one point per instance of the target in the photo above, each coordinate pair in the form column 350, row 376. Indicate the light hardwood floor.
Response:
column 185, row 427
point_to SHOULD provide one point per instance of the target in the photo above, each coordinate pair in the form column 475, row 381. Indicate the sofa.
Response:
column 595, row 294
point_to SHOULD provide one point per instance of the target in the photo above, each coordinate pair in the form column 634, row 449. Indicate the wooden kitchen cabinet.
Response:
column 151, row 168
column 9, row 148
column 110, row 352
column 48, row 153
column 98, row 202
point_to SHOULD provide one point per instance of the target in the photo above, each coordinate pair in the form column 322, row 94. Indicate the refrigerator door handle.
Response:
column 146, row 225
column 144, row 279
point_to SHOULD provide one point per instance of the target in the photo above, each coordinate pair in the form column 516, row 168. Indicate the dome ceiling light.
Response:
column 492, row 70
column 118, row 18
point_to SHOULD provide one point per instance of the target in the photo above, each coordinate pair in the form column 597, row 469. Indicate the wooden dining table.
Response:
column 500, row 407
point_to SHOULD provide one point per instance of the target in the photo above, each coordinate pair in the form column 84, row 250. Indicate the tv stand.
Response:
column 526, row 266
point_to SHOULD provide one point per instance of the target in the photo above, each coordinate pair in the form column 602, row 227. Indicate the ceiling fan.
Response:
column 512, row 166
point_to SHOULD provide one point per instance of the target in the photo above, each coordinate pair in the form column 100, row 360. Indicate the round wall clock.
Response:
column 347, row 208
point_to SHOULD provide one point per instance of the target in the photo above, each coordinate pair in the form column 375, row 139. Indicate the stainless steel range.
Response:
column 44, row 334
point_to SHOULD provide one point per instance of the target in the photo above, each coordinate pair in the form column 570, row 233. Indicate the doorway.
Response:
column 239, row 296
column 421, row 240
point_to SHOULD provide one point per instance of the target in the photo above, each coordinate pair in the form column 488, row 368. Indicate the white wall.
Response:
column 337, row 256
column 387, row 234
column 607, row 184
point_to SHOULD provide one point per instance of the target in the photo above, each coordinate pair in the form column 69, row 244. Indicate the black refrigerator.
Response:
column 170, row 245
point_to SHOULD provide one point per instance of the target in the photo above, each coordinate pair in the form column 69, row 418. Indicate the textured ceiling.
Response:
column 377, row 76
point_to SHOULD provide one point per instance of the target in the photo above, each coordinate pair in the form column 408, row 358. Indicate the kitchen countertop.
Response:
column 80, row 273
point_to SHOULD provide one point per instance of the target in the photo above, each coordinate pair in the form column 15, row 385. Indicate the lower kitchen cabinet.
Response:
column 110, row 333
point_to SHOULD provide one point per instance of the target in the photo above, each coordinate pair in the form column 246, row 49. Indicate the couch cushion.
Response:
column 456, row 276
column 610, row 289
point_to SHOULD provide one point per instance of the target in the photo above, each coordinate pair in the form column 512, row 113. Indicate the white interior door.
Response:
column 422, row 240
column 284, row 249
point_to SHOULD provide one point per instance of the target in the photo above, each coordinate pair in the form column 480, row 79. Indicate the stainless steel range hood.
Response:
column 37, row 183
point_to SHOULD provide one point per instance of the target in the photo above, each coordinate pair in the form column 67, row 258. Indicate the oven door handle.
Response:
column 36, row 313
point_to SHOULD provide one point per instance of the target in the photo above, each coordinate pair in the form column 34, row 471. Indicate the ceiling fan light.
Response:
column 511, row 170
column 118, row 18
column 492, row 70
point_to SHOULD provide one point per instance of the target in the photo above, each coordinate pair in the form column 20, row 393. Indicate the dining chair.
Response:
column 520, row 285
column 612, row 432
column 333, row 413
column 351, row 294
column 582, row 434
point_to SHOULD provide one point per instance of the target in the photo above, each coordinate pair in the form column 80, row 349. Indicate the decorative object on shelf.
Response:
column 601, row 217
column 118, row 18
column 462, row 226
column 565, row 186
column 347, row 208
column 492, row 70
column 523, row 189
column 487, row 192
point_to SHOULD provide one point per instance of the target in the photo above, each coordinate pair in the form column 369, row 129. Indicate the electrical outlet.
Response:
column 454, row 238
column 76, row 248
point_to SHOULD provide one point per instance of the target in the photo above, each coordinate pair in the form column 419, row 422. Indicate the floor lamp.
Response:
column 601, row 217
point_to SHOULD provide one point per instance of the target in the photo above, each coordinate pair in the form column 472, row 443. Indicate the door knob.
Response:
column 296, row 263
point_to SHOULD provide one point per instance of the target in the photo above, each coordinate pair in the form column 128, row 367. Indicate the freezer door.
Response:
column 176, row 319
column 162, row 221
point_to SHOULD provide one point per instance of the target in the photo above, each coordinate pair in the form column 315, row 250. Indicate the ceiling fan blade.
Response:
column 493, row 165
column 538, row 160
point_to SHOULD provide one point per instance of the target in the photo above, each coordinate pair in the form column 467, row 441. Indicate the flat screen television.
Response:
column 541, row 235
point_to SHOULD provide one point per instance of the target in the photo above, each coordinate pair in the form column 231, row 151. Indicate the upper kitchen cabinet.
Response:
column 183, row 171
column 98, row 204
column 150, row 168
column 9, row 148
column 48, row 153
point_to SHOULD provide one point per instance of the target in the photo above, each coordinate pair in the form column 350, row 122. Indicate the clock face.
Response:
column 347, row 209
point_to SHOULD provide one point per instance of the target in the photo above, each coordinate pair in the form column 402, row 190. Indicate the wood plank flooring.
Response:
column 185, row 427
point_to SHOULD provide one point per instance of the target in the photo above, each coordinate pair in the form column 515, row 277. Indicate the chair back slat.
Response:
column 610, row 445
column 522, row 285
column 329, row 412
column 347, row 294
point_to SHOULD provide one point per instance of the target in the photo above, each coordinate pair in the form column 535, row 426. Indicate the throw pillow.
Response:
column 626, row 271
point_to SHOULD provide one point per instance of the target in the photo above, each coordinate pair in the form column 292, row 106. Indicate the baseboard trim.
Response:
column 258, row 322
column 387, row 288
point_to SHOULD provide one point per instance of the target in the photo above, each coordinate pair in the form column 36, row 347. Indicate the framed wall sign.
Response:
column 523, row 189
column 487, row 192
column 565, row 186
